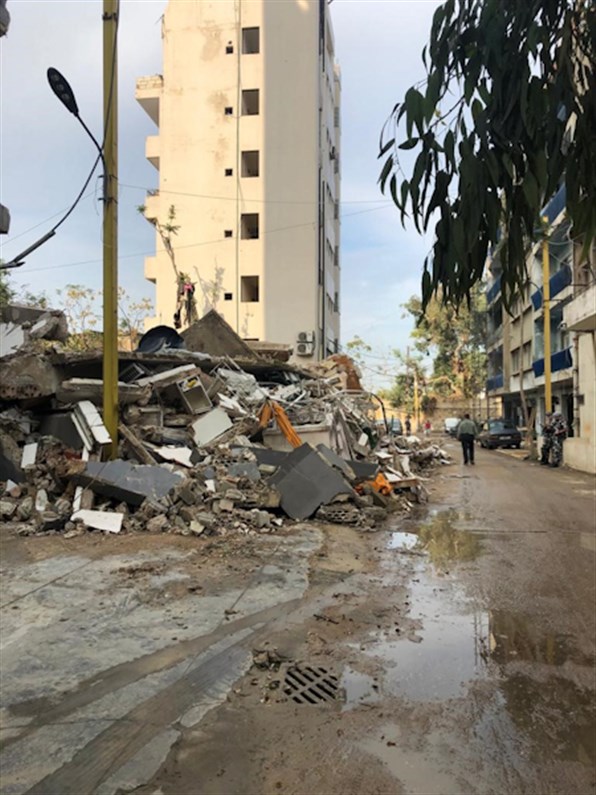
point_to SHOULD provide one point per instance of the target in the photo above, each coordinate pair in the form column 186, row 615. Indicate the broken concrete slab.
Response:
column 208, row 427
column 211, row 334
column 177, row 455
column 29, row 455
column 245, row 469
column 126, row 482
column 90, row 425
column 74, row 390
column 24, row 376
column 306, row 481
column 99, row 520
column 337, row 461
column 19, row 324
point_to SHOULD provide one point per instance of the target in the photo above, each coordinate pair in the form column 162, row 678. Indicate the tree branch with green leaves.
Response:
column 518, row 81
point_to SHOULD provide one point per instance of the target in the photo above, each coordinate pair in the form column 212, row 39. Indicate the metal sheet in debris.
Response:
column 306, row 481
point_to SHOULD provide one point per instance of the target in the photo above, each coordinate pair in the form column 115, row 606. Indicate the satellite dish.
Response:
column 160, row 338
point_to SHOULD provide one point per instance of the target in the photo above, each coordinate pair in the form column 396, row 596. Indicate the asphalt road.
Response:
column 462, row 635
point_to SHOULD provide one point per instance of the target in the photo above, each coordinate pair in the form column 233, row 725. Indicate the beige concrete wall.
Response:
column 580, row 451
column 198, row 141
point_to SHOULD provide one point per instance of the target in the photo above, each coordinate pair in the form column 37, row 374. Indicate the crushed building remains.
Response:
column 215, row 437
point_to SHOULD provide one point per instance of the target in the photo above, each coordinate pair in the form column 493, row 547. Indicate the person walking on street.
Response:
column 466, row 433
column 408, row 425
column 554, row 433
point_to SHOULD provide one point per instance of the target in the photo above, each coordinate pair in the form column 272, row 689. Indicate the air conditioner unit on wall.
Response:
column 305, row 343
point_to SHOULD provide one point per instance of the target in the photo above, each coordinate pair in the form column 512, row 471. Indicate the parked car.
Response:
column 394, row 426
column 499, row 433
column 450, row 425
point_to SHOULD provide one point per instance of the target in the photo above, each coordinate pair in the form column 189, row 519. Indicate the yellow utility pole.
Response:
column 110, row 222
column 548, row 393
column 416, row 400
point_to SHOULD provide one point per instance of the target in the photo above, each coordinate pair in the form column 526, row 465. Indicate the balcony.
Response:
column 557, row 284
column 495, row 382
column 152, row 206
column 580, row 313
column 148, row 94
column 152, row 150
column 558, row 361
column 556, row 205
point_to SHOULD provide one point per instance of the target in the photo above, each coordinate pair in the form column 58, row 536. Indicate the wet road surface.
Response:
column 504, row 671
column 463, row 637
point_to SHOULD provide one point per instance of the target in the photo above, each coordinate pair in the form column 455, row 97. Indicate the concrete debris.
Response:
column 217, row 438
column 306, row 481
column 208, row 427
column 126, row 482
column 99, row 520
column 90, row 426
column 29, row 455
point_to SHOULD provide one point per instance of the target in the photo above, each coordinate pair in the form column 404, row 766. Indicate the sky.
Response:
column 45, row 155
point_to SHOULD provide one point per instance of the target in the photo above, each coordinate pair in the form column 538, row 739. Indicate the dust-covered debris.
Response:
column 208, row 444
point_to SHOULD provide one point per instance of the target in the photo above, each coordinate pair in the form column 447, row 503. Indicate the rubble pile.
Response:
column 209, row 442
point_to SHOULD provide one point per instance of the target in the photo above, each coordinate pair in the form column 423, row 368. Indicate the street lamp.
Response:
column 62, row 89
column 109, row 156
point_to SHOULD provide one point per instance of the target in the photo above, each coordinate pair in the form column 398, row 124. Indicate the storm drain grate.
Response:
column 310, row 684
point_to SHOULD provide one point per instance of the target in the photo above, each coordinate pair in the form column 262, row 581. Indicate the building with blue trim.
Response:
column 515, row 342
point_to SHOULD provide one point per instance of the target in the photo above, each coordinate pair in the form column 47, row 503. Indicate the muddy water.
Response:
column 526, row 686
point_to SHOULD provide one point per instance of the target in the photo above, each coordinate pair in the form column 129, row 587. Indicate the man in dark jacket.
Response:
column 466, row 433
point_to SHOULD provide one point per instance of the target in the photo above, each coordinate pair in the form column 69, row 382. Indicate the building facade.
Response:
column 515, row 342
column 247, row 151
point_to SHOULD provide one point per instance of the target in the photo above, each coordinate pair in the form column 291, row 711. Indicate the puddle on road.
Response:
column 360, row 689
column 442, row 538
column 513, row 637
column 445, row 542
column 451, row 652
column 457, row 641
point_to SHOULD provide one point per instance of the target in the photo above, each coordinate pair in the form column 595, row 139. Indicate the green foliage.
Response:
column 401, row 394
column 507, row 113
column 457, row 337
column 82, row 307
column 20, row 295
column 7, row 292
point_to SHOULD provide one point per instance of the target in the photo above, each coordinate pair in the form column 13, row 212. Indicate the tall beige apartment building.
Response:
column 247, row 151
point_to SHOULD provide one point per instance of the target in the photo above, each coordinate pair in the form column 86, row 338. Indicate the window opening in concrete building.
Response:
column 228, row 111
column 249, row 226
column 250, row 163
column 229, row 172
column 227, row 233
column 250, row 41
column 229, row 48
column 249, row 289
column 227, row 296
column 250, row 102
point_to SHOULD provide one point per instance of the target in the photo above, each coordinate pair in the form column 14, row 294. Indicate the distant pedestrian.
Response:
column 427, row 427
column 554, row 432
column 408, row 425
column 466, row 433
